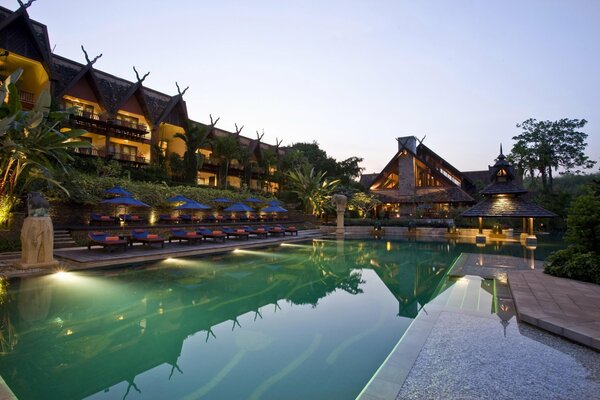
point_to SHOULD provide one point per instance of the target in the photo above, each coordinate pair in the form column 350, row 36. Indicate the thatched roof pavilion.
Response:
column 503, row 199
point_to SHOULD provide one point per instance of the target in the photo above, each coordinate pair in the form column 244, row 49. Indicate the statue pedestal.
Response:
column 339, row 201
column 37, row 243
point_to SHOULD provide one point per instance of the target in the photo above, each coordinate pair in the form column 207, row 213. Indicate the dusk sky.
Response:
column 354, row 75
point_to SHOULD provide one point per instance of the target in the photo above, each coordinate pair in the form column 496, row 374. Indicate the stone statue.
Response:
column 339, row 200
column 37, row 235
column 37, row 205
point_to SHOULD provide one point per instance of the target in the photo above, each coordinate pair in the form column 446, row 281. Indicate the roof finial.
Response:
column 501, row 157
column 500, row 148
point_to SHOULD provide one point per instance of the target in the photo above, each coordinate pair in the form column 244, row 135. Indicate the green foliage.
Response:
column 88, row 190
column 312, row 188
column 194, row 137
column 583, row 223
column 225, row 149
column 575, row 264
column 346, row 171
column 546, row 146
column 363, row 202
column 32, row 147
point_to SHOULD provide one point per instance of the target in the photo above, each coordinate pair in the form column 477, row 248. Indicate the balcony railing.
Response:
column 92, row 122
column 27, row 99
column 91, row 151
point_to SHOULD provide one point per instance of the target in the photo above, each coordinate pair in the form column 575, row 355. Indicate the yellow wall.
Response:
column 204, row 178
column 34, row 78
column 166, row 133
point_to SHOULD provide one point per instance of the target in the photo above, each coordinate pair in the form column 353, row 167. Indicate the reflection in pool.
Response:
column 311, row 320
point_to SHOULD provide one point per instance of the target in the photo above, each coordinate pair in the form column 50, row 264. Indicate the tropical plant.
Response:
column 195, row 136
column 363, row 202
column 312, row 188
column 245, row 158
column 33, row 147
column 267, row 163
column 225, row 149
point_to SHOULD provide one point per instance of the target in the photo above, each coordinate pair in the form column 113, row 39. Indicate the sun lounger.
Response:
column 96, row 218
column 182, row 234
column 214, row 235
column 258, row 232
column 236, row 232
column 131, row 219
column 291, row 230
column 276, row 231
column 142, row 236
column 105, row 240
column 209, row 218
column 168, row 218
column 188, row 219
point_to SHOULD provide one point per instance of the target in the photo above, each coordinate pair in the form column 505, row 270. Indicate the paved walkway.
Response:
column 562, row 306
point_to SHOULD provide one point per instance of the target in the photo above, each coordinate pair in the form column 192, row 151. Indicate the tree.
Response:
column 225, row 149
column 312, row 188
column 363, row 202
column 546, row 146
column 33, row 148
column 195, row 136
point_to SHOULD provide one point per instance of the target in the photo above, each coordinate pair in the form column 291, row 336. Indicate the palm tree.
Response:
column 32, row 146
column 312, row 188
column 194, row 137
column 245, row 159
column 225, row 149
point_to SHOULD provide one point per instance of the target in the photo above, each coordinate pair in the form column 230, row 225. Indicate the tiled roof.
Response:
column 507, row 206
column 367, row 179
column 502, row 188
column 425, row 195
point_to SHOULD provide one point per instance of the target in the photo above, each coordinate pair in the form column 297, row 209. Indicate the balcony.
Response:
column 94, row 123
column 131, row 158
column 128, row 130
column 27, row 99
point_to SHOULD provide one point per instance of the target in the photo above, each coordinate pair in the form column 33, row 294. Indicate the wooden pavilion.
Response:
column 504, row 199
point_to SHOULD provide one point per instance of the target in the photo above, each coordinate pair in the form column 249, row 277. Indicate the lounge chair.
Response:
column 276, row 231
column 182, row 234
column 131, row 219
column 96, row 218
column 168, row 218
column 105, row 240
column 238, row 233
column 188, row 219
column 210, row 234
column 258, row 232
column 142, row 236
column 209, row 218
column 291, row 230
column 219, row 218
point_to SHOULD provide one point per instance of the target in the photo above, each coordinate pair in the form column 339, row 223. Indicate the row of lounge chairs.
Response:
column 99, row 219
column 110, row 241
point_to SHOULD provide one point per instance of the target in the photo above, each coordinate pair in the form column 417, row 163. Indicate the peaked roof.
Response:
column 136, row 90
column 12, row 27
column 84, row 72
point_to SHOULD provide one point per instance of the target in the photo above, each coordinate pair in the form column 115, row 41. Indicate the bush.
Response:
column 574, row 263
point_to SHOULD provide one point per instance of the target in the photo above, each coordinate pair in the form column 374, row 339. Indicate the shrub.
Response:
column 574, row 263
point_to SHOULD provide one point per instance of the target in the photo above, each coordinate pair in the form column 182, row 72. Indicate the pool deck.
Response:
column 562, row 306
column 80, row 258
column 432, row 359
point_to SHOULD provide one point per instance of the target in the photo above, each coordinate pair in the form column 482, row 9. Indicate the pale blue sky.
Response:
column 354, row 75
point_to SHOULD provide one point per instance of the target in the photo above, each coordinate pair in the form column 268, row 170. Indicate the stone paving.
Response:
column 562, row 306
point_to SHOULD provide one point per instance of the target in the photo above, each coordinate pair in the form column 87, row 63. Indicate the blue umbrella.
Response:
column 274, row 209
column 119, row 191
column 253, row 200
column 222, row 200
column 274, row 203
column 238, row 207
column 193, row 205
column 125, row 201
column 178, row 199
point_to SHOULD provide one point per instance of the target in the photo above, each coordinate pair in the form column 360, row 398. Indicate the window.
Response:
column 127, row 120
column 122, row 151
column 83, row 110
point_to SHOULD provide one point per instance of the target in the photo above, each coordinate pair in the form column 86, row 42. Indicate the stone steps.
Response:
column 62, row 239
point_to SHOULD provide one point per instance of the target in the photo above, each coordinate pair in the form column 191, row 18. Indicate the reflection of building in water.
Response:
column 58, row 333
column 413, row 277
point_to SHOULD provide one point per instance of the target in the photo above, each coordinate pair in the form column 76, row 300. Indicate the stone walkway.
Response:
column 562, row 306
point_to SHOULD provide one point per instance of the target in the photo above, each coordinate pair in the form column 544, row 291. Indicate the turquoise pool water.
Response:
column 299, row 321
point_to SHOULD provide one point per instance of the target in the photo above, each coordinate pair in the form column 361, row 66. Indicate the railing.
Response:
column 27, row 99
column 92, row 122
column 92, row 151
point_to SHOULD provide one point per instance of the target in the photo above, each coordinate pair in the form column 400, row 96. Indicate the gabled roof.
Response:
column 507, row 207
column 174, row 113
column 367, row 179
column 23, row 36
column 83, row 72
column 136, row 90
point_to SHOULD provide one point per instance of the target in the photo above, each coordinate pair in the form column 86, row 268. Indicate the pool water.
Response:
column 298, row 321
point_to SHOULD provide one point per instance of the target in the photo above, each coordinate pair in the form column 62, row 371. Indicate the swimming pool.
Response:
column 298, row 321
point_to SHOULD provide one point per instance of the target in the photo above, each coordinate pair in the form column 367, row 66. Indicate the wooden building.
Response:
column 123, row 119
column 417, row 182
